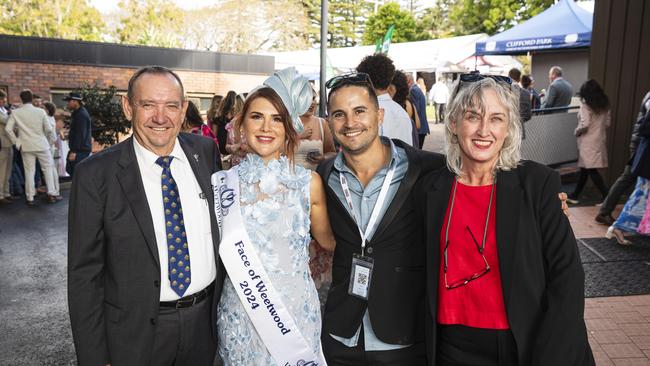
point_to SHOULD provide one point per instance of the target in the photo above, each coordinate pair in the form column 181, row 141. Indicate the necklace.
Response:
column 480, row 249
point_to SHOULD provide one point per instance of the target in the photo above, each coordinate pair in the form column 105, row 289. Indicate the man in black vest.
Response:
column 375, row 307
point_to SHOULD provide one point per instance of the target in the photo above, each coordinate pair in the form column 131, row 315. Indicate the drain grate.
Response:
column 615, row 270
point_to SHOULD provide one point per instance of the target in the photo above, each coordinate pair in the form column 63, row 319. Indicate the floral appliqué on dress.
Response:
column 275, row 208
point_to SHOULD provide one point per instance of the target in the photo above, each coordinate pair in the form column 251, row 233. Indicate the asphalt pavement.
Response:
column 34, row 322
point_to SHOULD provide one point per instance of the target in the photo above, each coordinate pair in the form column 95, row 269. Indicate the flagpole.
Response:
column 323, row 58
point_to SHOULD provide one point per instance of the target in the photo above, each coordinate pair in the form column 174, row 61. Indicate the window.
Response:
column 201, row 100
column 56, row 96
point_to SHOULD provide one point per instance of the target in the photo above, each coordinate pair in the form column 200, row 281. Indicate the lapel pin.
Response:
column 196, row 157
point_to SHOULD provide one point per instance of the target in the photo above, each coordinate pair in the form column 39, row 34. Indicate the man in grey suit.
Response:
column 33, row 140
column 143, row 275
column 559, row 92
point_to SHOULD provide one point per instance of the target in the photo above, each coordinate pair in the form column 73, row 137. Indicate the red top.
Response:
column 479, row 303
column 204, row 130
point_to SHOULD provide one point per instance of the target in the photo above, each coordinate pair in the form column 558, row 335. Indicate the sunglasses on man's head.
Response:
column 475, row 76
column 347, row 79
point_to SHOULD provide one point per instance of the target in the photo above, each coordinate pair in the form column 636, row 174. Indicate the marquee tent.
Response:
column 563, row 25
column 429, row 56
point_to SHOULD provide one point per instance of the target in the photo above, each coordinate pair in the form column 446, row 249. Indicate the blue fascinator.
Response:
column 295, row 92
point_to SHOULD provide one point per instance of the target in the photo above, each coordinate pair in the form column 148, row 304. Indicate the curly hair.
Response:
column 401, row 88
column 380, row 68
column 594, row 96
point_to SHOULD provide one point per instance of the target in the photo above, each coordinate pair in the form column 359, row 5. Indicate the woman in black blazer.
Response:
column 504, row 281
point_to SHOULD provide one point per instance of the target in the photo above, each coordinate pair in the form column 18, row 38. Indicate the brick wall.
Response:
column 41, row 78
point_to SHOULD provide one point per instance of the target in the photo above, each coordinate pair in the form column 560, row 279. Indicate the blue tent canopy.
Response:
column 563, row 25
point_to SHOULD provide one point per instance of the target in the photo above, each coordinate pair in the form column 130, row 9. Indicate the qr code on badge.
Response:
column 362, row 278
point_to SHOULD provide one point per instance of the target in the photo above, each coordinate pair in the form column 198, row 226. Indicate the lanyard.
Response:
column 375, row 211
column 451, row 210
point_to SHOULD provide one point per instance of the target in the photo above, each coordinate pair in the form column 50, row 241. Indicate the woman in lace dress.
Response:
column 280, row 203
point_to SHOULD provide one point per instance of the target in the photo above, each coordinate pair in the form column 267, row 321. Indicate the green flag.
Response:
column 383, row 46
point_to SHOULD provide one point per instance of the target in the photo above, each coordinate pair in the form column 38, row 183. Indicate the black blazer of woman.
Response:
column 541, row 274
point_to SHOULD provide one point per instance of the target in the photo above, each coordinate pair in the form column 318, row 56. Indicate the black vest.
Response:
column 396, row 296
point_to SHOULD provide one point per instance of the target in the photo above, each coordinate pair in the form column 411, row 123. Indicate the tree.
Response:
column 105, row 113
column 247, row 26
column 387, row 15
column 433, row 22
column 150, row 23
column 66, row 19
column 346, row 22
column 493, row 16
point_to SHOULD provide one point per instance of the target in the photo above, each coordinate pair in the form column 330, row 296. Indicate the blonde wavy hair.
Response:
column 471, row 96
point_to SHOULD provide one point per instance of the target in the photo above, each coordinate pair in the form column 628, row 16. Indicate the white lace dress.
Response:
column 275, row 209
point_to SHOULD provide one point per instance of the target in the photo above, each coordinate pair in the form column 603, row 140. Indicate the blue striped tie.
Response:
column 178, row 254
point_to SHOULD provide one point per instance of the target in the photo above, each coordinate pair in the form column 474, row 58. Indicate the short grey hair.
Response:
column 556, row 70
column 154, row 70
column 471, row 96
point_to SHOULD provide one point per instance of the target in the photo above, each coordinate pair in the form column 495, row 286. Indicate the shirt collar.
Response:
column 384, row 96
column 149, row 158
column 339, row 161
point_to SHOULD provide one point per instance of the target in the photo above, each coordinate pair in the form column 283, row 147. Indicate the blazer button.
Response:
column 369, row 250
column 156, row 283
column 153, row 321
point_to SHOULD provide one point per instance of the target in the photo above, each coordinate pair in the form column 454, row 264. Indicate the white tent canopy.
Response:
column 433, row 55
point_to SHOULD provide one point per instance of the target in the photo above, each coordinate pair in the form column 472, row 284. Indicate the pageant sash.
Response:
column 263, row 304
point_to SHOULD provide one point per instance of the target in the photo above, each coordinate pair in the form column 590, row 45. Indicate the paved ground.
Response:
column 34, row 324
column 619, row 327
column 435, row 141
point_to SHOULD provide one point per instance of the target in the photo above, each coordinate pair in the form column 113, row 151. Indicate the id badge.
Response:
column 360, row 276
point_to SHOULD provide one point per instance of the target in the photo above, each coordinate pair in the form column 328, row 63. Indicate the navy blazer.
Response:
column 79, row 137
column 541, row 274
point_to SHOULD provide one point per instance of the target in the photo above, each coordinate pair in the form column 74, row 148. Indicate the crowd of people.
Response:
column 340, row 231
column 31, row 146
column 635, row 216
column 325, row 241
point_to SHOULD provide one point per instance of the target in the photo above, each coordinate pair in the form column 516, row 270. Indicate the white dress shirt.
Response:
column 397, row 123
column 439, row 93
column 196, row 216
